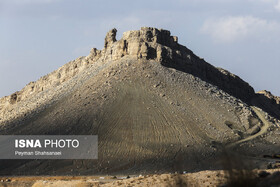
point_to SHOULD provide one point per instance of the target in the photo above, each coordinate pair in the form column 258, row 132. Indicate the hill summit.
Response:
column 147, row 43
column 154, row 104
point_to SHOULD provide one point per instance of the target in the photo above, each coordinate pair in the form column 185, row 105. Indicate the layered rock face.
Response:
column 157, row 44
column 147, row 44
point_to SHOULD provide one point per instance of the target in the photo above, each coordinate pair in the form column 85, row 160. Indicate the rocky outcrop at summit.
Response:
column 153, row 103
column 146, row 44
column 110, row 37
column 157, row 44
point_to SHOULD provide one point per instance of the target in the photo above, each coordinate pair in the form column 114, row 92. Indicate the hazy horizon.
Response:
column 39, row 36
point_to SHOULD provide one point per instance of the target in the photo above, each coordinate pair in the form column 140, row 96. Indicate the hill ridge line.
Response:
column 145, row 44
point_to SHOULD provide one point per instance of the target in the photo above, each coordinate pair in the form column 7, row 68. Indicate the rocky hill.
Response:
column 149, row 44
column 154, row 105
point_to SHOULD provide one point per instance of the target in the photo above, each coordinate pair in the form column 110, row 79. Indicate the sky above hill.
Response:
column 38, row 36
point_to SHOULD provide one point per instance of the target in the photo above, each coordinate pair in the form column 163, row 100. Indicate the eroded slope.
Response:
column 155, row 106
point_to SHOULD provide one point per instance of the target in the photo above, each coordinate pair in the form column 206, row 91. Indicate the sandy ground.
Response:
column 203, row 178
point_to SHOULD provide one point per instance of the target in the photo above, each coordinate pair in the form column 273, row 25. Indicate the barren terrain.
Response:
column 155, row 106
column 208, row 178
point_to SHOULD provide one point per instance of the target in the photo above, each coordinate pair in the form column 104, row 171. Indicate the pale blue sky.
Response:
column 38, row 36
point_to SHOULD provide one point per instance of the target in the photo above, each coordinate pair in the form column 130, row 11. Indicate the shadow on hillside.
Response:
column 226, row 81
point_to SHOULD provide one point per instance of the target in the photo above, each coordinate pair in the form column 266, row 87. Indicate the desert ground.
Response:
column 259, row 178
column 157, row 109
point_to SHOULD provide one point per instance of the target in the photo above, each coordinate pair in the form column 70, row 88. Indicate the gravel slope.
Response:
column 159, row 110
